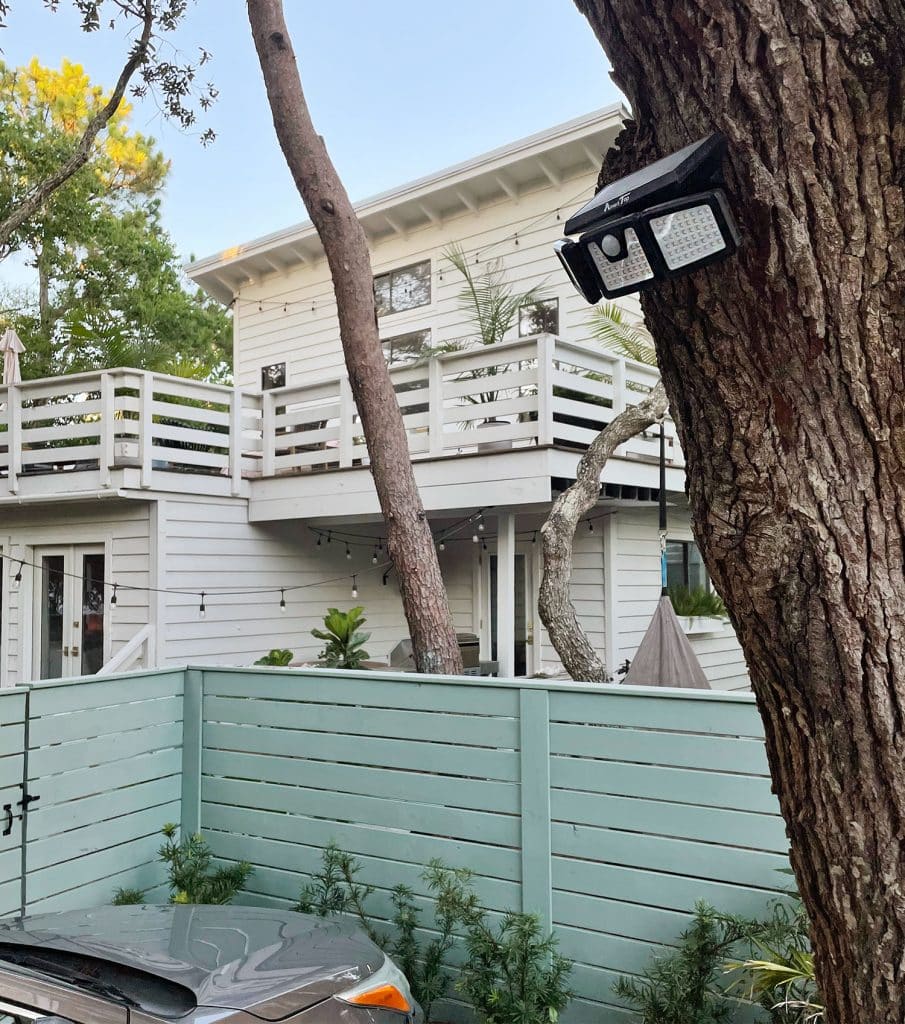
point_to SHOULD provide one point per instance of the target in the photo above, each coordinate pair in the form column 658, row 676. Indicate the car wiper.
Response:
column 52, row 967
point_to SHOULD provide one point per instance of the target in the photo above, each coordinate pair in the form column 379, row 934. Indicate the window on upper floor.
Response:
column 403, row 349
column 403, row 288
column 540, row 317
column 684, row 565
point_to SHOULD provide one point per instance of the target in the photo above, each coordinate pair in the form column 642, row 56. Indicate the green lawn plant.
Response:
column 343, row 639
column 191, row 876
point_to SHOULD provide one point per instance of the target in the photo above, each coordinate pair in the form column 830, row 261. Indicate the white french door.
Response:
column 70, row 612
column 526, row 654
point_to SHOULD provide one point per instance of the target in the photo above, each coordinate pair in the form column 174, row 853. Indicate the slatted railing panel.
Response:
column 105, row 758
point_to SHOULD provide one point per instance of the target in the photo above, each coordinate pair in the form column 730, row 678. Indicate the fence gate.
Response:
column 13, row 709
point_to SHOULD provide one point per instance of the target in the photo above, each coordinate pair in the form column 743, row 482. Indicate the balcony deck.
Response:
column 508, row 418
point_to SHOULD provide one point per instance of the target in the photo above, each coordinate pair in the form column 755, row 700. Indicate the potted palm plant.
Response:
column 491, row 305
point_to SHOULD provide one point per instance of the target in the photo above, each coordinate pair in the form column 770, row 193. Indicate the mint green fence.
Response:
column 608, row 811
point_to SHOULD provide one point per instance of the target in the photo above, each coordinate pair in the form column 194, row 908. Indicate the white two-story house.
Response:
column 125, row 496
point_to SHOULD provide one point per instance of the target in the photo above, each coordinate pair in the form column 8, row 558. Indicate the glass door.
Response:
column 524, row 619
column 71, row 618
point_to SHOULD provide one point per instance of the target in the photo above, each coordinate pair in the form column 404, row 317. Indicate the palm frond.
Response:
column 610, row 326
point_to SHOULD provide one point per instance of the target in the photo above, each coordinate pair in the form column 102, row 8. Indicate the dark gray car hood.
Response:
column 268, row 962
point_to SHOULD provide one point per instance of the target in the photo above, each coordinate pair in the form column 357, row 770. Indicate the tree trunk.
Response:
column 409, row 540
column 557, row 612
column 784, row 370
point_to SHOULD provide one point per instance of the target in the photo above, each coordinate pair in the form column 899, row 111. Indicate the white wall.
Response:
column 121, row 526
column 306, row 334
column 209, row 543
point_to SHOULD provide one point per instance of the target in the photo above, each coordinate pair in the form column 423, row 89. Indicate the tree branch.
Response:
column 557, row 612
column 42, row 192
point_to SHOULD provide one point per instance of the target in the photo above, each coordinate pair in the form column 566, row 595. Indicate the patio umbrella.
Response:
column 665, row 657
column 11, row 346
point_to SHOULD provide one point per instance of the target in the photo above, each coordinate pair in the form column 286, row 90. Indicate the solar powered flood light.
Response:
column 661, row 222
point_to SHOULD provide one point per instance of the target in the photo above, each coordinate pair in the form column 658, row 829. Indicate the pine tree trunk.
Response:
column 784, row 370
column 409, row 540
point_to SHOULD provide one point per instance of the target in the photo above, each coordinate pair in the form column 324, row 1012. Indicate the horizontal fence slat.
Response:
column 104, row 721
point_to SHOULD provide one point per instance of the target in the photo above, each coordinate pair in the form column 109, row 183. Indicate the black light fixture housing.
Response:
column 661, row 222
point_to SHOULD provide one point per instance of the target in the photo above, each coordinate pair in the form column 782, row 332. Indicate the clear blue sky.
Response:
column 398, row 89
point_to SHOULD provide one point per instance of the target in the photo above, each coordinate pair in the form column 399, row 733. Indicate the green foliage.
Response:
column 779, row 973
column 513, row 973
column 278, row 656
column 695, row 601
column 609, row 324
column 683, row 987
column 109, row 288
column 334, row 890
column 775, row 969
column 128, row 897
column 344, row 641
column 491, row 306
column 192, row 878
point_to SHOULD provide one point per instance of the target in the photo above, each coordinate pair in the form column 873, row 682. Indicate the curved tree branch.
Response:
column 557, row 612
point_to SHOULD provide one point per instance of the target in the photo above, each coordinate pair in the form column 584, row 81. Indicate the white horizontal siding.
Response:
column 305, row 334
column 123, row 526
column 209, row 545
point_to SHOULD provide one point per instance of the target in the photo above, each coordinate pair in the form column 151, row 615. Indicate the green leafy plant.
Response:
column 129, row 897
column 609, row 324
column 335, row 889
column 491, row 305
column 697, row 601
column 190, row 874
column 779, row 972
column 513, row 973
column 343, row 639
column 277, row 656
column 192, row 878
column 683, row 986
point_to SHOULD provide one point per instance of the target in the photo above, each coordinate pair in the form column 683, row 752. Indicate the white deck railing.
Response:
column 536, row 391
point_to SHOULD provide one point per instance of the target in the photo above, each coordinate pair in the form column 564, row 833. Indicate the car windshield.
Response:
column 116, row 982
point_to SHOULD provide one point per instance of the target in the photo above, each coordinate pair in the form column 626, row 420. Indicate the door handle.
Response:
column 65, row 652
column 75, row 651
column 8, row 826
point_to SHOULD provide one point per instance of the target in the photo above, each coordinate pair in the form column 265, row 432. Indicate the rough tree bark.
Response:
column 409, row 540
column 786, row 376
column 79, row 156
column 557, row 612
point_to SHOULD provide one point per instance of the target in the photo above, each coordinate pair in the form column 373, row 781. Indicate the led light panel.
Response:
column 687, row 236
column 626, row 272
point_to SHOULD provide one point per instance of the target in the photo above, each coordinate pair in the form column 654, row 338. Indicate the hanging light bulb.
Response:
column 282, row 600
column 202, row 611
column 17, row 579
column 348, row 551
column 329, row 538
column 590, row 526
column 481, row 521
column 442, row 545
column 484, row 545
column 354, row 587
column 318, row 544
column 113, row 597
column 534, row 538
column 374, row 556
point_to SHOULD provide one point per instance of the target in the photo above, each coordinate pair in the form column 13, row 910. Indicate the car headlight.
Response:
column 386, row 988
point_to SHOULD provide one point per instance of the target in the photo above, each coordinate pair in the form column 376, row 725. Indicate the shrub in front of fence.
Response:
column 511, row 974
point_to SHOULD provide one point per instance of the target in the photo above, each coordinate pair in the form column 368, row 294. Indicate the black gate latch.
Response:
column 27, row 798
